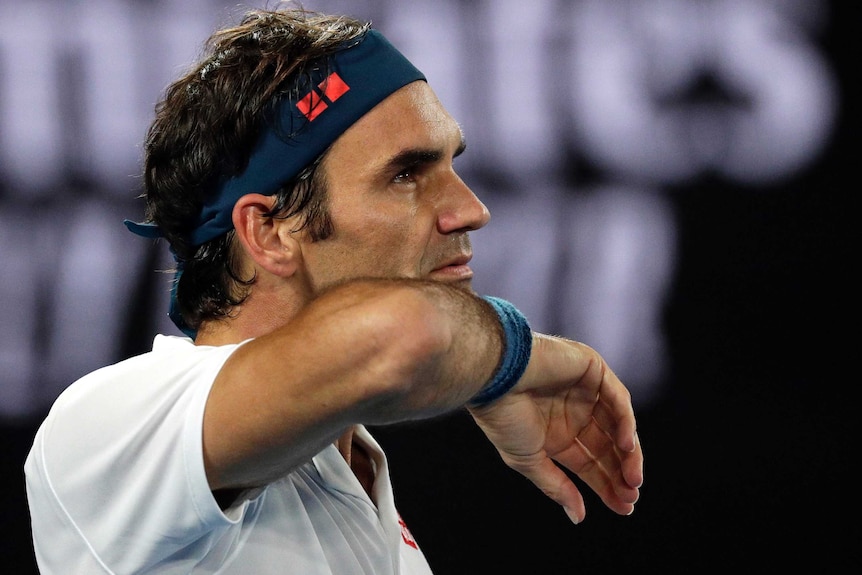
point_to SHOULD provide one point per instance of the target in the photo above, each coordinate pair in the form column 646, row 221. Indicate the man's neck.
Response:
column 357, row 458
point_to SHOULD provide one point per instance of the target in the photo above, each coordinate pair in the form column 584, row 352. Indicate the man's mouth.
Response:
column 454, row 269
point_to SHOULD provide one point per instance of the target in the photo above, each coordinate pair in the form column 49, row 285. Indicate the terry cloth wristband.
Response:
column 518, row 345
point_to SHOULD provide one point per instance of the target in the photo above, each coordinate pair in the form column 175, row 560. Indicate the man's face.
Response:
column 398, row 208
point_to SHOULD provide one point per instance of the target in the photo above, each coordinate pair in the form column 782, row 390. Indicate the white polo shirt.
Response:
column 116, row 484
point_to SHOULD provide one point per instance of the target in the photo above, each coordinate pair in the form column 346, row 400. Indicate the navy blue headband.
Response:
column 359, row 77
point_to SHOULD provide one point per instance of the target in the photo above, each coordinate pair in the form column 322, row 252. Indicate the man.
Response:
column 302, row 175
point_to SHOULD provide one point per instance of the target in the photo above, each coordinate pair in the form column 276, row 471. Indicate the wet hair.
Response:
column 205, row 129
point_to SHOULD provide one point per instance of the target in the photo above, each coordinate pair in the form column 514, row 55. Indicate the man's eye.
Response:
column 405, row 176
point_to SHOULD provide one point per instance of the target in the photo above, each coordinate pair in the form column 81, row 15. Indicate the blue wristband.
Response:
column 518, row 345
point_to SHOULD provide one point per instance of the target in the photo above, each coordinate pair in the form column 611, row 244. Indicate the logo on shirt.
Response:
column 328, row 91
column 406, row 535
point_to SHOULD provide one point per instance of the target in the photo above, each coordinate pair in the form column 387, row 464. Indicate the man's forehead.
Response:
column 413, row 111
column 408, row 128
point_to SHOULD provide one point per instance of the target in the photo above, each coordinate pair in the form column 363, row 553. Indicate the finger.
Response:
column 613, row 403
column 633, row 465
column 600, row 469
column 622, row 437
column 552, row 481
column 614, row 411
column 615, row 414
column 599, row 445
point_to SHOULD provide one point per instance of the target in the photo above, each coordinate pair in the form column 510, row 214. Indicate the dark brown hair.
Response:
column 205, row 128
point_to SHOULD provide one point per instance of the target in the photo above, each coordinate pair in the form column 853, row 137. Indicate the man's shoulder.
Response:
column 171, row 368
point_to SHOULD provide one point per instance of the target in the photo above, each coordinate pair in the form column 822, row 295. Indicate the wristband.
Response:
column 518, row 344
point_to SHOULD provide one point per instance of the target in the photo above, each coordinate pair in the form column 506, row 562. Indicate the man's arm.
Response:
column 383, row 351
column 372, row 352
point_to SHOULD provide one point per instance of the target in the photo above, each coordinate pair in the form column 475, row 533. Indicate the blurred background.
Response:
column 670, row 181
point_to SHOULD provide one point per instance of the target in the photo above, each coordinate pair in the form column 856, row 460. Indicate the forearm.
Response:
column 438, row 346
column 372, row 352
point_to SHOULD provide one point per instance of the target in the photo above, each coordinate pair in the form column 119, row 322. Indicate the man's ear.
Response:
column 265, row 239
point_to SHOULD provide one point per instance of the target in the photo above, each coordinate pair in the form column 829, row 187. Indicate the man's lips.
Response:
column 455, row 268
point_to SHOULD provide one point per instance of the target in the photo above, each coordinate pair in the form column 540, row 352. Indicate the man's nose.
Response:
column 461, row 210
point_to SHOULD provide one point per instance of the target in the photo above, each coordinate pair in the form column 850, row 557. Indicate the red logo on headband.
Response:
column 314, row 103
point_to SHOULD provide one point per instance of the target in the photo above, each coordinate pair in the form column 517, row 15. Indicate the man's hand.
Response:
column 568, row 408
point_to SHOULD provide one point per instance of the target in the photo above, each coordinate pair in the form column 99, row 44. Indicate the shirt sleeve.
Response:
column 115, row 477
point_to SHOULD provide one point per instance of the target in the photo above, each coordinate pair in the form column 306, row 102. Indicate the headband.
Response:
column 301, row 128
column 361, row 76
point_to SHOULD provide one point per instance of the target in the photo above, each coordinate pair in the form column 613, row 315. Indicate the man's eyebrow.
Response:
column 419, row 156
column 412, row 157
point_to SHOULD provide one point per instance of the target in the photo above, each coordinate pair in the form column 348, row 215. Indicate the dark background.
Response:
column 748, row 451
